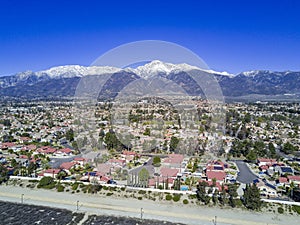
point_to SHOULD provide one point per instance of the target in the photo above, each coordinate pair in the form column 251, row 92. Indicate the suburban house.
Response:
column 265, row 162
column 284, row 170
column 79, row 160
column 219, row 176
column 64, row 152
column 49, row 173
column 266, row 190
column 161, row 182
column 67, row 166
column 294, row 179
column 173, row 161
column 168, row 172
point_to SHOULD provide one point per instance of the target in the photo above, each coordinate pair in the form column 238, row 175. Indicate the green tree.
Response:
column 251, row 156
column 144, row 177
column 3, row 174
column 201, row 193
column 156, row 161
column 70, row 135
column 112, row 142
column 232, row 192
column 251, row 197
column 173, row 143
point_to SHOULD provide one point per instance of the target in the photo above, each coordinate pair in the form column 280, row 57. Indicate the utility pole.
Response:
column 142, row 212
column 22, row 198
column 215, row 220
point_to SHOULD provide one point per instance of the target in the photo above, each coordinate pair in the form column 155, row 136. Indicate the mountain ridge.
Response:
column 256, row 82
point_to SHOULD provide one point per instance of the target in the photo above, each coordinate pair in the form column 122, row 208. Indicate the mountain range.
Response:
column 62, row 81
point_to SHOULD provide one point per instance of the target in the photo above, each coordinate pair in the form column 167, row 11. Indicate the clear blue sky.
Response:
column 231, row 36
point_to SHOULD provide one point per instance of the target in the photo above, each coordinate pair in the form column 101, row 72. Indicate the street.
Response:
column 245, row 175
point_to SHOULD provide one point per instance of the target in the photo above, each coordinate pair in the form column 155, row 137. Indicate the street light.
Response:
column 22, row 198
column 142, row 213
column 215, row 220
column 77, row 206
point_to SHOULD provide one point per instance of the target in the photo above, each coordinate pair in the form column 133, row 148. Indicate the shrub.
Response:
column 75, row 186
column 168, row 197
column 105, row 188
column 142, row 192
column 280, row 210
column 185, row 201
column 109, row 194
column 122, row 188
column 46, row 182
column 140, row 198
column 176, row 198
column 296, row 208
column 60, row 188
column 238, row 202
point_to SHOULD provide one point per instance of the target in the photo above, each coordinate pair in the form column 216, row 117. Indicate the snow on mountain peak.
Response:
column 76, row 71
column 157, row 67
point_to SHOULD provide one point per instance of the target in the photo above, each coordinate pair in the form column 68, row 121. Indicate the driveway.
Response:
column 245, row 175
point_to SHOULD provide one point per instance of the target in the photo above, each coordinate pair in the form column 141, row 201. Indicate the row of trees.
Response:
column 251, row 198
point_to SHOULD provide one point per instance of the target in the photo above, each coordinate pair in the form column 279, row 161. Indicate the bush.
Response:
column 192, row 196
column 176, row 198
column 238, row 202
column 60, row 188
column 280, row 210
column 142, row 192
column 122, row 188
column 140, row 198
column 47, row 183
column 296, row 208
column 168, row 197
column 105, row 188
column 109, row 194
column 75, row 186
column 185, row 201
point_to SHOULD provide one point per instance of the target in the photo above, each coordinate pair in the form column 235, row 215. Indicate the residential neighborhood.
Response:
column 39, row 140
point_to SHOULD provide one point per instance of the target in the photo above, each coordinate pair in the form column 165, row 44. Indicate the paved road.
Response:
column 245, row 176
column 148, row 166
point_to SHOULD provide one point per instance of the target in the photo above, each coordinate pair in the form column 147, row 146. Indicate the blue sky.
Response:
column 231, row 36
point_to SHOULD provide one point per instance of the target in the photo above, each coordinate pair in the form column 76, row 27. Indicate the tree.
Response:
column 251, row 197
column 3, row 174
column 251, row 156
column 144, row 177
column 156, row 161
column 201, row 192
column 232, row 194
column 70, row 135
column 112, row 142
column 173, row 143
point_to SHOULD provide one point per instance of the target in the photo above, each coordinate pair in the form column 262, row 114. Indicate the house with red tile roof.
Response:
column 219, row 176
column 117, row 162
column 80, row 160
column 49, row 173
column 64, row 152
column 265, row 161
column 161, row 182
column 67, row 166
column 173, row 161
column 294, row 179
column 168, row 172
column 283, row 181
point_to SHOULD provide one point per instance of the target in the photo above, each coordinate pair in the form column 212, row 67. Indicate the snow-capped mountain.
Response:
column 63, row 80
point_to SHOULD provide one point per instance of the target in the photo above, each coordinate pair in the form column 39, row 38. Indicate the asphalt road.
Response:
column 148, row 166
column 245, row 175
